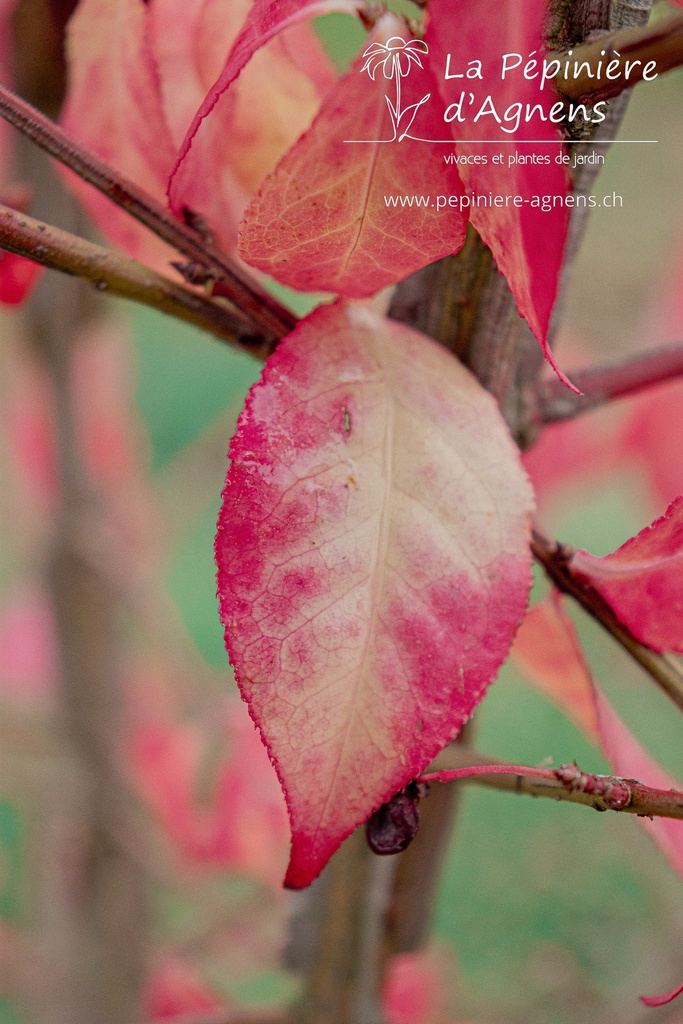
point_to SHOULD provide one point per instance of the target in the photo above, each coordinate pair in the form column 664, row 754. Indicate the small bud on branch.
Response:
column 119, row 275
column 603, row 792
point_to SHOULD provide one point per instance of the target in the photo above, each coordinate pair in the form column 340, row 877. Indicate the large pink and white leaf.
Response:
column 265, row 20
column 324, row 220
column 549, row 653
column 373, row 563
column 643, row 580
column 526, row 241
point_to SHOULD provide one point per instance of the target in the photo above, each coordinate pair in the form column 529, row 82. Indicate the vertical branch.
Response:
column 102, row 948
column 338, row 939
column 108, row 918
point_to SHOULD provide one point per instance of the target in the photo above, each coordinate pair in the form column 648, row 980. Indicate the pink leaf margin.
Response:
column 666, row 997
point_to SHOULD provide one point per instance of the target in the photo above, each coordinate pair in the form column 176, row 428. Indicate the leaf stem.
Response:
column 454, row 764
column 268, row 315
column 602, row 384
column 661, row 42
column 118, row 275
column 556, row 560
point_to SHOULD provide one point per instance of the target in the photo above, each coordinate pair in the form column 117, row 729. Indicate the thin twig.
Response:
column 661, row 42
column 268, row 315
column 556, row 560
column 602, row 384
column 642, row 800
column 119, row 275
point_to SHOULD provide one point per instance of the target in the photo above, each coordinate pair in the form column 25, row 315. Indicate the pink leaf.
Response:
column 565, row 678
column 137, row 73
column 527, row 243
column 253, row 124
column 321, row 221
column 175, row 990
column 29, row 657
column 266, row 19
column 113, row 105
column 418, row 986
column 372, row 563
column 644, row 440
column 17, row 277
column 643, row 580
column 546, row 651
column 666, row 997
column 241, row 824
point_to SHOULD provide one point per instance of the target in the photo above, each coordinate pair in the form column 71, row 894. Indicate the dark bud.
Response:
column 195, row 221
column 194, row 273
column 394, row 826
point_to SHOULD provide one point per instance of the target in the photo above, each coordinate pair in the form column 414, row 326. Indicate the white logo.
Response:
column 396, row 58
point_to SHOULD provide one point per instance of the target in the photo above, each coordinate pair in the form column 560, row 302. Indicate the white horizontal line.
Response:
column 519, row 142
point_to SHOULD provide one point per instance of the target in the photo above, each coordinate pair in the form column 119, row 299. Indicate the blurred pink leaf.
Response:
column 565, row 678
column 527, row 243
column 28, row 432
column 241, row 824
column 546, row 650
column 17, row 277
column 138, row 71
column 113, row 105
column 567, row 454
column 666, row 997
column 265, row 19
column 320, row 221
column 175, row 990
column 643, row 580
column 373, row 563
column 417, row 986
column 644, row 443
column 28, row 646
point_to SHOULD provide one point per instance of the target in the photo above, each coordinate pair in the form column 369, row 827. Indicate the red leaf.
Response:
column 527, row 243
column 643, row 580
column 320, row 221
column 265, row 19
column 372, row 563
column 17, row 277
column 667, row 997
column 566, row 679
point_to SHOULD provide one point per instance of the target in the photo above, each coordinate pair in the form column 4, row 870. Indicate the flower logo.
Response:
column 395, row 58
